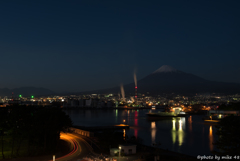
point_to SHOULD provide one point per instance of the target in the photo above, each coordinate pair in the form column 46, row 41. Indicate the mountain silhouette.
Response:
column 167, row 79
column 26, row 91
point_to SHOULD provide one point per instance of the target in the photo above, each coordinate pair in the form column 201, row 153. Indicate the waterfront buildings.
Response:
column 189, row 103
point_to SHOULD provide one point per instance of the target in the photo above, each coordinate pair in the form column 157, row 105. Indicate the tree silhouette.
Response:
column 39, row 126
column 228, row 132
column 3, row 127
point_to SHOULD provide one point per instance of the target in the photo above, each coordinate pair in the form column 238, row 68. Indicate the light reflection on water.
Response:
column 136, row 123
column 190, row 123
column 210, row 138
column 153, row 132
column 179, row 133
column 116, row 114
column 175, row 134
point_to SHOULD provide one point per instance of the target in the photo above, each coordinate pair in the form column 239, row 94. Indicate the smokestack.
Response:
column 122, row 92
column 135, row 81
column 136, row 94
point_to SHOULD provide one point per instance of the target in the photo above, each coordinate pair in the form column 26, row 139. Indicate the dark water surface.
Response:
column 188, row 135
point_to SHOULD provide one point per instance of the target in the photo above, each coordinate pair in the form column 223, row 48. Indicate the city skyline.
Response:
column 90, row 45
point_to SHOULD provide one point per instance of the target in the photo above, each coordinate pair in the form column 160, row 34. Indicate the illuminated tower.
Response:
column 135, row 81
column 136, row 94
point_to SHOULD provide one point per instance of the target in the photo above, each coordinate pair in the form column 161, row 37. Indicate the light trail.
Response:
column 76, row 147
column 72, row 152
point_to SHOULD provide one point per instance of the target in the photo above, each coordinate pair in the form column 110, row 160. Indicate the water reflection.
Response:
column 210, row 138
column 180, row 125
column 153, row 125
column 88, row 114
column 153, row 132
column 116, row 115
column 174, row 125
column 136, row 124
column 183, row 121
column 179, row 133
column 124, row 134
column 190, row 123
column 173, row 132
column 128, row 115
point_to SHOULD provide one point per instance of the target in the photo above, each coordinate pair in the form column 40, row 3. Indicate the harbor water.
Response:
column 188, row 135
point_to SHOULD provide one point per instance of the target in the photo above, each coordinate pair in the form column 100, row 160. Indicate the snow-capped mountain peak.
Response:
column 165, row 69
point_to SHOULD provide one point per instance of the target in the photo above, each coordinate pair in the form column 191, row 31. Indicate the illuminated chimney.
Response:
column 136, row 94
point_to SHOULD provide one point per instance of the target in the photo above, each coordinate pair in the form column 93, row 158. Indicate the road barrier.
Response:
column 81, row 132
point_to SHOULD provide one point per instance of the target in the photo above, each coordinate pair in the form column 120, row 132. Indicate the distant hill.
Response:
column 170, row 80
column 26, row 91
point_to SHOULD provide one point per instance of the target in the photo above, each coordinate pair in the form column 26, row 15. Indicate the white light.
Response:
column 180, row 125
column 174, row 127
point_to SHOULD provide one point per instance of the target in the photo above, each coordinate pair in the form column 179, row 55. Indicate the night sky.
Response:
column 85, row 45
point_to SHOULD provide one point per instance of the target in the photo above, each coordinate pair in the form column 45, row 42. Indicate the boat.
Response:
column 211, row 121
column 175, row 113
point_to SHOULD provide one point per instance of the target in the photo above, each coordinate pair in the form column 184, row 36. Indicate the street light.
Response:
column 119, row 151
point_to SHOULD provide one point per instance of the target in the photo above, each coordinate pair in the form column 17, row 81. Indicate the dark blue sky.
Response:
column 84, row 45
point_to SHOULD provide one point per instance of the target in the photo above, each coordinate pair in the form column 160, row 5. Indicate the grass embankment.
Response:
column 17, row 150
column 62, row 149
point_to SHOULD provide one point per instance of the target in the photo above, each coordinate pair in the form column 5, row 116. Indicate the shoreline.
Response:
column 108, row 108
column 166, row 151
column 126, row 108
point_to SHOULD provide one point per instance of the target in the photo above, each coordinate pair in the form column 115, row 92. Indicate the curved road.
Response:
column 80, row 147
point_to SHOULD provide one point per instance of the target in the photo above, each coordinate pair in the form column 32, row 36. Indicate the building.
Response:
column 128, row 149
column 89, row 103
column 81, row 103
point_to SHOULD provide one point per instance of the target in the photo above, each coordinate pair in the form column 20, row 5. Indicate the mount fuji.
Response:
column 167, row 79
